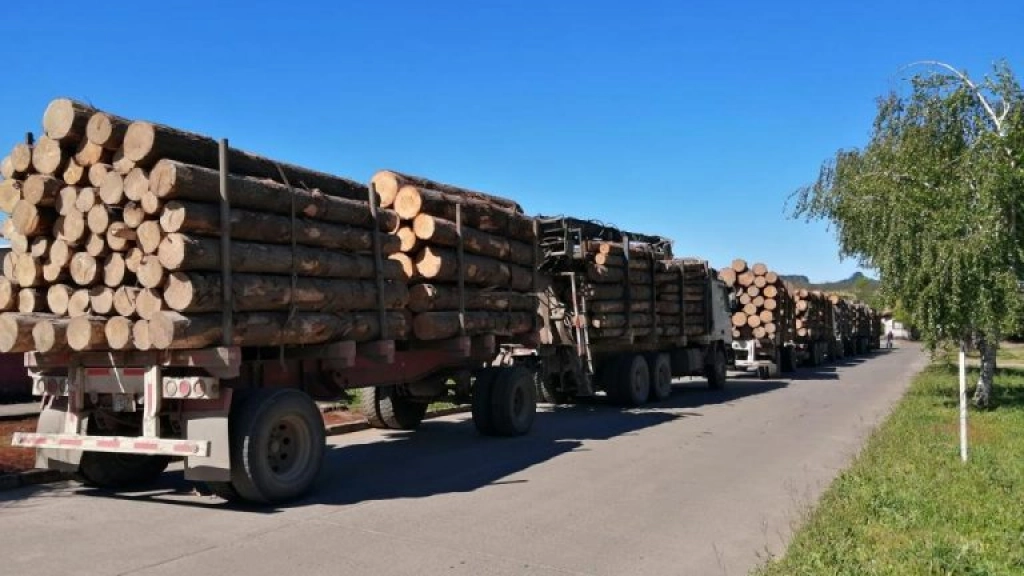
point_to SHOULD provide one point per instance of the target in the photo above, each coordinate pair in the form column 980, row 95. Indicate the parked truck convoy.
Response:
column 177, row 298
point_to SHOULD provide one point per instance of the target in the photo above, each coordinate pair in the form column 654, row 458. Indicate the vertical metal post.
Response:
column 963, row 401
column 227, row 293
column 460, row 262
column 378, row 262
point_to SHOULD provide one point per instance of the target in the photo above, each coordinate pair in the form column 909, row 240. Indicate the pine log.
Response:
column 53, row 273
column 753, row 320
column 739, row 319
column 8, row 295
column 106, row 130
column 442, row 325
column 758, row 301
column 121, row 163
column 439, row 231
column 97, row 173
column 16, row 330
column 72, row 228
column 124, row 300
column 40, row 190
column 10, row 195
column 179, row 252
column 19, row 242
column 133, row 259
column 80, row 303
column 31, row 300
column 133, row 214
column 66, row 199
column 21, row 159
column 192, row 293
column 148, row 303
column 84, row 270
column 171, row 330
column 51, row 336
column 204, row 220
column 118, row 331
column 149, row 235
column 407, row 239
column 412, row 201
column 60, row 254
column 136, row 183
column 96, row 246
column 766, row 316
column 7, row 171
column 609, row 274
column 86, row 199
column 101, row 300
column 759, row 281
column 31, row 220
column 759, row 269
column 145, row 143
column 753, row 291
column 88, row 154
column 120, row 237
column 112, row 189
column 151, row 205
column 87, row 333
column 48, row 157
column 28, row 271
column 389, row 182
column 739, row 266
column 170, row 180
column 770, row 291
column 746, row 279
column 441, row 265
column 65, row 120
column 406, row 264
column 10, row 268
column 57, row 298
column 611, row 291
column 75, row 174
column 435, row 297
column 99, row 218
column 150, row 272
column 771, row 277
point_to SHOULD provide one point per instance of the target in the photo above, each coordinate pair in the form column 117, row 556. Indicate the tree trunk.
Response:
column 987, row 347
column 442, row 325
column 101, row 300
column 31, row 300
column 75, row 174
column 87, row 333
column 435, row 297
column 48, row 157
column 412, row 201
column 112, row 189
column 51, row 336
column 30, row 220
column 41, row 190
column 97, row 174
column 442, row 265
column 124, row 300
column 389, row 182
column 179, row 252
column 118, row 332
column 136, row 183
column 16, row 331
column 106, row 130
column 192, row 293
column 204, row 220
column 145, row 143
column 65, row 120
column 174, row 180
column 435, row 230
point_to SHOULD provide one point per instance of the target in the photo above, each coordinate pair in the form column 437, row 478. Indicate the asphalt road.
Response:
column 704, row 483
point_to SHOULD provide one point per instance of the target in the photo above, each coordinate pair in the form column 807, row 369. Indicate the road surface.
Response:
column 704, row 483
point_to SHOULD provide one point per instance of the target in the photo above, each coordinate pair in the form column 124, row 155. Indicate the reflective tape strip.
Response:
column 124, row 444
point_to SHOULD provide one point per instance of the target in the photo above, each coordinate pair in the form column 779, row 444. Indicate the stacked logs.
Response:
column 844, row 321
column 684, row 296
column 765, row 309
column 115, row 232
column 497, row 253
column 813, row 315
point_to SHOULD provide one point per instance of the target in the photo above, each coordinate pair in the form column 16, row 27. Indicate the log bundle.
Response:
column 814, row 318
column 497, row 243
column 115, row 231
column 685, row 289
column 764, row 308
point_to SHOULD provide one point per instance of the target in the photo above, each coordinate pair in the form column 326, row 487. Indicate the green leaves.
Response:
column 934, row 201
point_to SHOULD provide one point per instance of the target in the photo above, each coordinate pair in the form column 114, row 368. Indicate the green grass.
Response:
column 908, row 505
column 351, row 402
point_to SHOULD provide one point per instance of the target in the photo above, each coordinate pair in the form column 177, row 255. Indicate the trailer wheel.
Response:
column 661, row 376
column 482, row 392
column 277, row 445
column 513, row 402
column 632, row 384
column 385, row 408
column 715, row 372
column 115, row 471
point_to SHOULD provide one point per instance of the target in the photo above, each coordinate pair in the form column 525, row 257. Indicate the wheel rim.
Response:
column 288, row 448
column 663, row 381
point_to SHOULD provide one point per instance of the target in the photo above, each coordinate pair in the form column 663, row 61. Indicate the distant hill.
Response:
column 857, row 285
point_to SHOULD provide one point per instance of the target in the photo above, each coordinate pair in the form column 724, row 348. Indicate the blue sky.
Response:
column 677, row 118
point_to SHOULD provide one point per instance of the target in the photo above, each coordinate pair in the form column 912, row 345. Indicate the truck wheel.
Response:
column 547, row 390
column 385, row 408
column 116, row 471
column 787, row 363
column 513, row 402
column 632, row 385
column 277, row 445
column 715, row 372
column 482, row 391
column 661, row 376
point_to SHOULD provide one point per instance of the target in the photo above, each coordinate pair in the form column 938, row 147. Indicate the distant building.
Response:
column 898, row 329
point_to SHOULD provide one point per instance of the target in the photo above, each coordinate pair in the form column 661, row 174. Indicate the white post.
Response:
column 963, row 401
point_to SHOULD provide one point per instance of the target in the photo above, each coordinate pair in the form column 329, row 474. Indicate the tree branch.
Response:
column 997, row 120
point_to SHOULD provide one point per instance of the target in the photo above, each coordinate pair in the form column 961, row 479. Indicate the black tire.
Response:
column 763, row 372
column 513, row 402
column 385, row 408
column 715, row 371
column 660, row 367
column 547, row 390
column 788, row 362
column 482, row 391
column 632, row 385
column 118, row 471
column 225, row 490
column 277, row 445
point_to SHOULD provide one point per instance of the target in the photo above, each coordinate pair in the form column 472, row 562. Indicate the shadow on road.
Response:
column 446, row 456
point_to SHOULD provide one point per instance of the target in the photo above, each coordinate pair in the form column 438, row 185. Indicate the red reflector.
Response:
column 108, row 443
column 67, row 442
column 183, row 448
column 145, row 445
column 97, row 371
column 134, row 371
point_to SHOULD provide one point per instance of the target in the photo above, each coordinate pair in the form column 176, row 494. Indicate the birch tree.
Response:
column 933, row 202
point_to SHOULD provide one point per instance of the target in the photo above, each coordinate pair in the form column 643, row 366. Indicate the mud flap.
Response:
column 210, row 423
column 52, row 420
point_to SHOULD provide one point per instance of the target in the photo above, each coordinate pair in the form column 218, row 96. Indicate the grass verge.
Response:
column 908, row 505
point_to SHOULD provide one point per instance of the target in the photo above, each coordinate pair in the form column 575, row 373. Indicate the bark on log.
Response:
column 435, row 230
column 106, row 130
column 51, row 336
column 204, row 220
column 16, row 331
column 31, row 220
column 192, row 293
column 434, row 297
column 442, row 325
column 389, row 182
column 65, row 120
column 406, row 239
column 170, row 330
column 170, row 180
column 441, row 265
column 179, row 252
column 87, row 333
column 412, row 201
column 406, row 264
column 145, row 143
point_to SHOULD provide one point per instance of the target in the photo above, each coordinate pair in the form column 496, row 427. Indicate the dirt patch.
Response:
column 15, row 459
